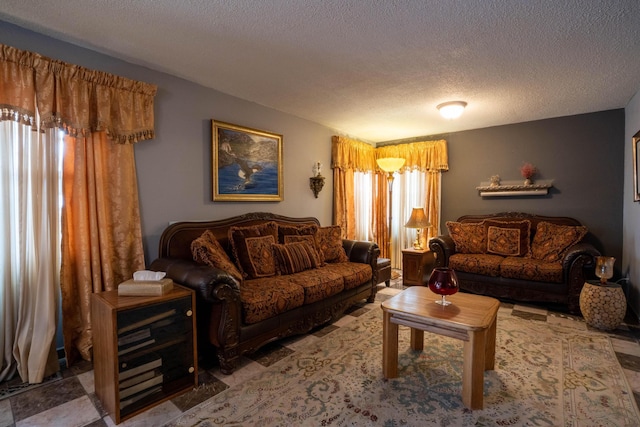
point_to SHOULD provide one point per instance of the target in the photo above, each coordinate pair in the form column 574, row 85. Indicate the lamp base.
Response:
column 416, row 244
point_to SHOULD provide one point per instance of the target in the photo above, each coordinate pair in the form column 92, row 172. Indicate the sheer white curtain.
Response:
column 410, row 192
column 363, row 206
column 30, row 184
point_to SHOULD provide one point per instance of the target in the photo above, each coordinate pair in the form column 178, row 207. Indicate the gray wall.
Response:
column 630, row 263
column 174, row 169
column 583, row 154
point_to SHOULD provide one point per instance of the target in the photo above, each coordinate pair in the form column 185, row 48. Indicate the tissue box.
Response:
column 145, row 287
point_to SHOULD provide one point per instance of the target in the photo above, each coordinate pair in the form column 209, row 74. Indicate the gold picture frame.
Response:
column 636, row 160
column 246, row 164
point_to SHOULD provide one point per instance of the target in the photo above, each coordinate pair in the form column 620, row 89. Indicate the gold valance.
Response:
column 349, row 154
column 424, row 156
column 73, row 98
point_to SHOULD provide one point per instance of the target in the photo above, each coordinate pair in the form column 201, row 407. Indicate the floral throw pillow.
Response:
column 207, row 250
column 469, row 237
column 329, row 242
column 508, row 238
column 251, row 247
column 552, row 240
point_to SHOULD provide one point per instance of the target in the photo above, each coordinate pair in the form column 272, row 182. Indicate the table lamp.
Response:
column 419, row 221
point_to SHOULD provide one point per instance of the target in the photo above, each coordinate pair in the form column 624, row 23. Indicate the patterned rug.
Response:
column 545, row 375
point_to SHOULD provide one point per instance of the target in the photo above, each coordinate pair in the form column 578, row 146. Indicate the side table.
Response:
column 415, row 264
column 603, row 306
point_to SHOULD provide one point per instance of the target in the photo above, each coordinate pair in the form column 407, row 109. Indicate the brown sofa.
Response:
column 519, row 256
column 265, row 290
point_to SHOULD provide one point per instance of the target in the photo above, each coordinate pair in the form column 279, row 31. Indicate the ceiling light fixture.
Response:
column 452, row 109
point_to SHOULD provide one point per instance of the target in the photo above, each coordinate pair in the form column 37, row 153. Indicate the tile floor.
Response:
column 71, row 401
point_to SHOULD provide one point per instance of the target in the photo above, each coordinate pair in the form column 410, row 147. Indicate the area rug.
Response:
column 545, row 375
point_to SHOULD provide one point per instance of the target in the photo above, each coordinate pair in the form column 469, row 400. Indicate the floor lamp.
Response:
column 390, row 165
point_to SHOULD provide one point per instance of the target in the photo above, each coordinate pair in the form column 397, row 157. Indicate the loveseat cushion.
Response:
column 269, row 296
column 469, row 237
column 329, row 242
column 552, row 240
column 318, row 283
column 486, row 264
column 531, row 269
column 294, row 257
column 251, row 247
column 353, row 273
column 207, row 250
column 508, row 238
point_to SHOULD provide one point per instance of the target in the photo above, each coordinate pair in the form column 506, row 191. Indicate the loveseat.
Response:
column 260, row 277
column 519, row 256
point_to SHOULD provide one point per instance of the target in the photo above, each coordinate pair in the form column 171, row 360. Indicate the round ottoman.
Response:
column 603, row 306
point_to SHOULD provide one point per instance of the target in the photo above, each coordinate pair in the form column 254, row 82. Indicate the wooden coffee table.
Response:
column 470, row 318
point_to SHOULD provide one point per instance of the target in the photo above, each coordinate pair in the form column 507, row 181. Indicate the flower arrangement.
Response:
column 528, row 170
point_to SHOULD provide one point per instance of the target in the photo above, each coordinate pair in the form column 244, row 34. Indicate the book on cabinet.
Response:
column 144, row 349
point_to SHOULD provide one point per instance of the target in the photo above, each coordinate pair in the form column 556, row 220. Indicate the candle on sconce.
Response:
column 317, row 168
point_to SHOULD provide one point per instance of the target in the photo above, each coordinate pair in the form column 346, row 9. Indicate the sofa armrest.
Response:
column 577, row 265
column 217, row 297
column 362, row 251
column 210, row 283
column 443, row 247
column 580, row 249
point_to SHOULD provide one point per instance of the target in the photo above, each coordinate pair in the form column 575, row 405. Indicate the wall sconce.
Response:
column 316, row 182
column 419, row 221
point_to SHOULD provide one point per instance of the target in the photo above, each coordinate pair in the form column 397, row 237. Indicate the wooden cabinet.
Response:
column 415, row 264
column 144, row 349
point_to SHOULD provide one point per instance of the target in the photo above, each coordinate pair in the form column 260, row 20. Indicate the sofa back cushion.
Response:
column 251, row 247
column 329, row 242
column 207, row 250
column 508, row 238
column 469, row 238
column 551, row 240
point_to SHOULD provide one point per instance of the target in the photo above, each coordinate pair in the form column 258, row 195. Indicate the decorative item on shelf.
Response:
column 390, row 165
column 443, row 281
column 527, row 170
column 495, row 181
column 452, row 109
column 419, row 221
column 316, row 182
column 602, row 303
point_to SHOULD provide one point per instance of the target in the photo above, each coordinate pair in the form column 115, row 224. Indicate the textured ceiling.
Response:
column 372, row 69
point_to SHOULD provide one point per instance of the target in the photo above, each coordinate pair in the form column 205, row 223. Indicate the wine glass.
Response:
column 604, row 268
column 443, row 281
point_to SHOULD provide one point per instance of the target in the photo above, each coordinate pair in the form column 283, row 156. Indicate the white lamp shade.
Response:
column 390, row 164
column 452, row 110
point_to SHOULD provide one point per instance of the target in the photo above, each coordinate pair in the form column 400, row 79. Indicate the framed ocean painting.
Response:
column 246, row 164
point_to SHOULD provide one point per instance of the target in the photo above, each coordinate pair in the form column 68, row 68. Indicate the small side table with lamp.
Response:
column 417, row 261
column 603, row 303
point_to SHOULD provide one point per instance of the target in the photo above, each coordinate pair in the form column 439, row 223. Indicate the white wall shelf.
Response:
column 515, row 188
